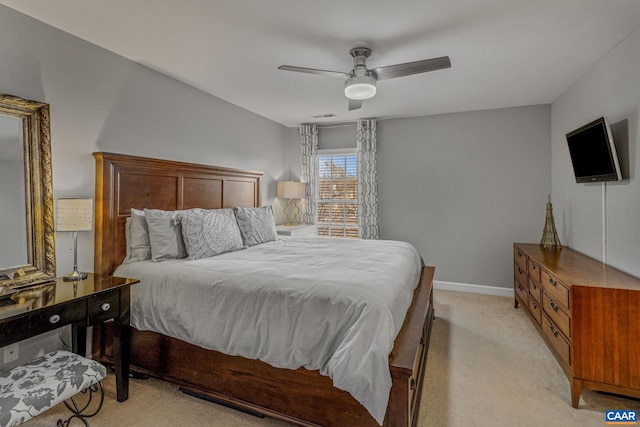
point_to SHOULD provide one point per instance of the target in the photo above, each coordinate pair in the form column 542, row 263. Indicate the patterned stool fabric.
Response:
column 30, row 389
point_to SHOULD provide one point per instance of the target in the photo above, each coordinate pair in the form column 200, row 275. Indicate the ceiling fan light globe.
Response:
column 360, row 87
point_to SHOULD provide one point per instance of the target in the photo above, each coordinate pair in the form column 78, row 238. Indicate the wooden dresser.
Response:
column 587, row 313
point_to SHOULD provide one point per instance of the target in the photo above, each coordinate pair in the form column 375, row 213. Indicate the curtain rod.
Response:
column 329, row 125
column 336, row 125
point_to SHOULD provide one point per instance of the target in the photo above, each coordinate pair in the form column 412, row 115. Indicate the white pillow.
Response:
column 209, row 233
column 257, row 225
column 127, row 239
column 138, row 242
column 165, row 234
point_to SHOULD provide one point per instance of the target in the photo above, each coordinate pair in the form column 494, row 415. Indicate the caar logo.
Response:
column 621, row 417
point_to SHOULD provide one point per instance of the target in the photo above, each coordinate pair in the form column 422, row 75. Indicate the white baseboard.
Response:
column 474, row 289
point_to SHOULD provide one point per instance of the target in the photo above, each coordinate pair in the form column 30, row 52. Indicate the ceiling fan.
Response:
column 360, row 83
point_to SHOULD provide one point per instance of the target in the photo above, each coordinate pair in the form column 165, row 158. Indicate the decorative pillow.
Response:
column 127, row 238
column 138, row 243
column 165, row 234
column 209, row 233
column 256, row 225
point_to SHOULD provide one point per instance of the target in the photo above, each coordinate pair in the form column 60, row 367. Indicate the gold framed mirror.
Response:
column 29, row 255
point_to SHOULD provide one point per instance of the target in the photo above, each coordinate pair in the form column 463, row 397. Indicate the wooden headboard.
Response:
column 124, row 182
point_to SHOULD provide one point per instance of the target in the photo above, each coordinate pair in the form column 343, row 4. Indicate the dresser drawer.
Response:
column 520, row 259
column 522, row 291
column 520, row 272
column 555, row 289
column 558, row 342
column 103, row 306
column 535, row 291
column 535, row 310
column 556, row 314
column 534, row 271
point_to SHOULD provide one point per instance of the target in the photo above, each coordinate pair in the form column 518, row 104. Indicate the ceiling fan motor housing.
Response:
column 361, row 84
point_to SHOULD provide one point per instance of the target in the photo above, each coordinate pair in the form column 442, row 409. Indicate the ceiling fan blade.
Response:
column 355, row 104
column 409, row 68
column 315, row 71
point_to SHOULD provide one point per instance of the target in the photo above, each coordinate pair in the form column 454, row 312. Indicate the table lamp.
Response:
column 74, row 215
column 291, row 190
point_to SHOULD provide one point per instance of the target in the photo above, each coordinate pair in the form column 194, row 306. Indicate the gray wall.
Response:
column 329, row 137
column 102, row 102
column 611, row 89
column 337, row 136
column 463, row 187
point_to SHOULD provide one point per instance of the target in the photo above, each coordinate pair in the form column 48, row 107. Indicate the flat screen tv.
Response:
column 593, row 153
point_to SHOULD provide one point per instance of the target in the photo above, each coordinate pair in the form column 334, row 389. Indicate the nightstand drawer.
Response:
column 45, row 319
column 104, row 306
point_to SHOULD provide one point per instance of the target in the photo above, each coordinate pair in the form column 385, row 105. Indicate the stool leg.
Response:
column 66, row 422
column 79, row 412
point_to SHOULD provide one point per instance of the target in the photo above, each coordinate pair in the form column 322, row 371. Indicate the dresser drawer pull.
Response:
column 519, row 254
column 105, row 306
column 54, row 318
column 521, row 288
column 553, row 282
column 553, row 305
column 553, row 330
column 535, row 306
column 520, row 270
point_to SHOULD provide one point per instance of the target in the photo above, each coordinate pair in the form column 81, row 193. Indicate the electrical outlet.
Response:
column 11, row 353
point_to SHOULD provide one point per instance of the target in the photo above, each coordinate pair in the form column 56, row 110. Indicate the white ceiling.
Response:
column 503, row 52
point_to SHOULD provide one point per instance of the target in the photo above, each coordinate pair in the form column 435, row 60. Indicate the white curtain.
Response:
column 309, row 161
column 367, row 180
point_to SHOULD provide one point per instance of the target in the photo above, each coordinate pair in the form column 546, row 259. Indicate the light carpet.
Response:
column 487, row 366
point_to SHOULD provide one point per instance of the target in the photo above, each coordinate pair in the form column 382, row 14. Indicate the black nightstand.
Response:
column 40, row 308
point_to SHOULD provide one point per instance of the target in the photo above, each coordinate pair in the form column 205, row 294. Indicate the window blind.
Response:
column 337, row 202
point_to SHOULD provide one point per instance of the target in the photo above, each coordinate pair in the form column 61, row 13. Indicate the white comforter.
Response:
column 333, row 305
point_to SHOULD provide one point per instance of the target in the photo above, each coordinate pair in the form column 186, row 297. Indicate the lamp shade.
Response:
column 74, row 215
column 291, row 190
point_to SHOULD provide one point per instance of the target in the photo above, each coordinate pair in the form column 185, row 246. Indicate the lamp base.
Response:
column 75, row 276
column 291, row 210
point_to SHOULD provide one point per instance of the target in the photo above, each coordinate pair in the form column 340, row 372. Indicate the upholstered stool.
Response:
column 32, row 388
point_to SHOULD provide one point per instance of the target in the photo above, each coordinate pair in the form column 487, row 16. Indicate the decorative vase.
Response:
column 550, row 239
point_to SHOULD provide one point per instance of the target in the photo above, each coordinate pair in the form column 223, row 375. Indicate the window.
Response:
column 337, row 202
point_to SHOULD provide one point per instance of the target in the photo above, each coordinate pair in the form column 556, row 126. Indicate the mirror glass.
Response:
column 12, row 194
column 27, row 252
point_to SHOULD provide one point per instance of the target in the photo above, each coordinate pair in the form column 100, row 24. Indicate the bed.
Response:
column 300, row 396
